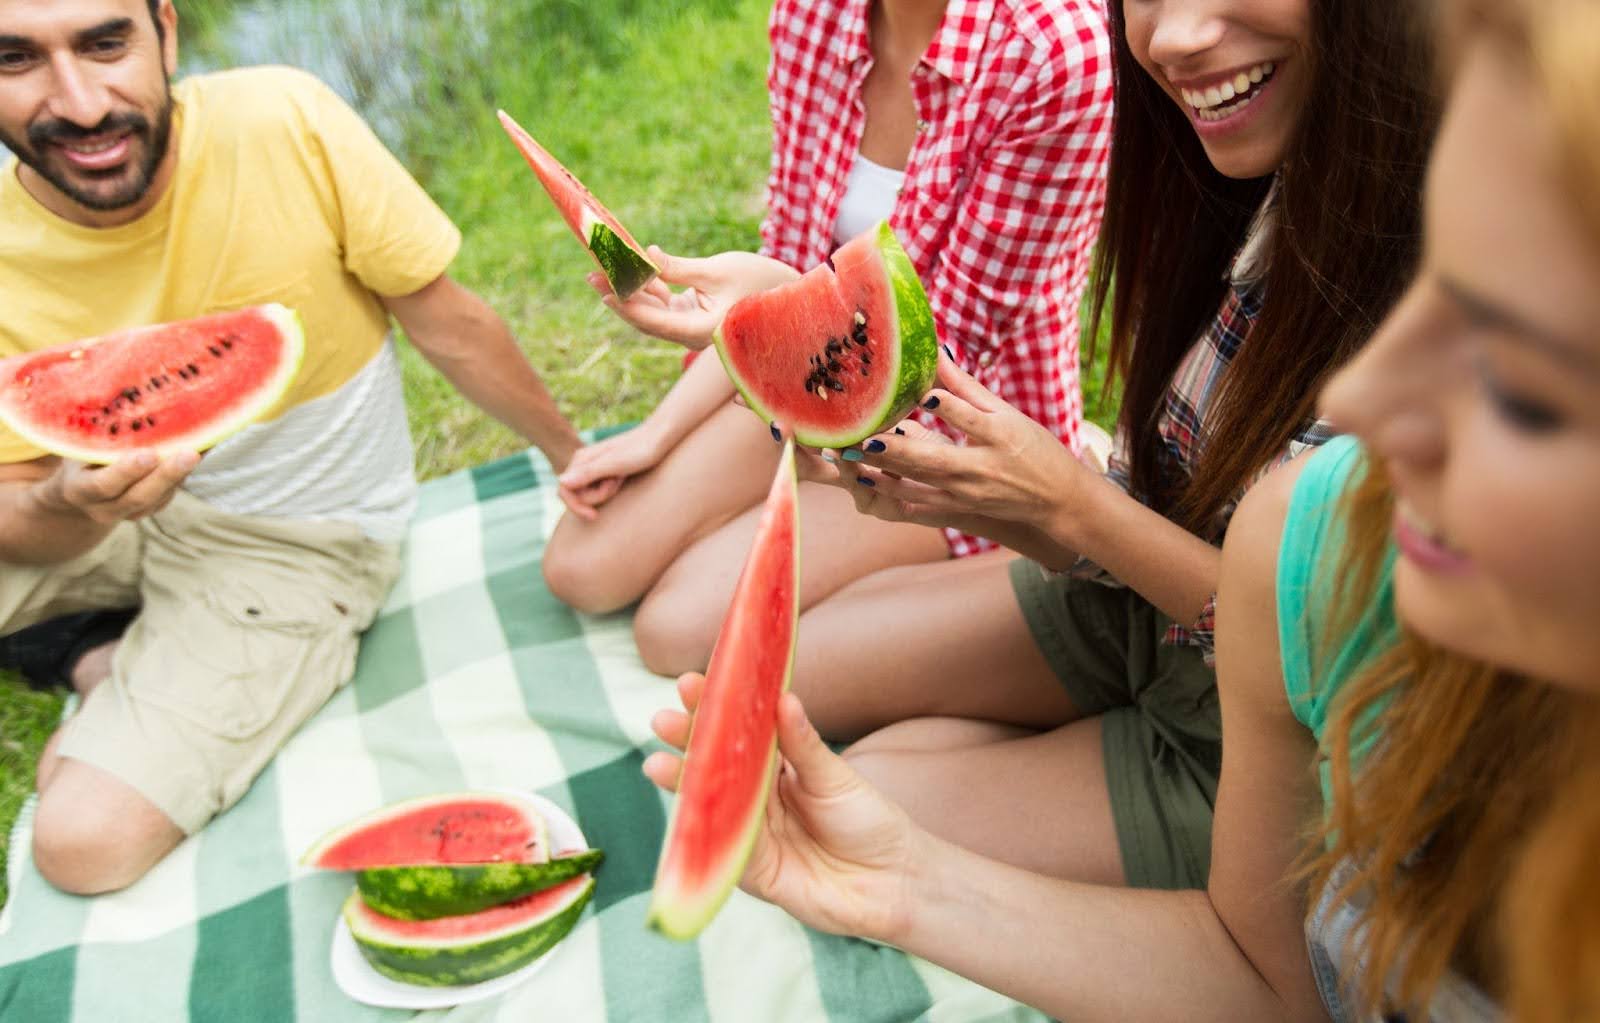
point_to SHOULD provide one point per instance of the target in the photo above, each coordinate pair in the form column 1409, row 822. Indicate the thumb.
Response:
column 818, row 769
column 684, row 271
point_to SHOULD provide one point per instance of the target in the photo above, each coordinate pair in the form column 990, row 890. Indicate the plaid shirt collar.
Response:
column 955, row 49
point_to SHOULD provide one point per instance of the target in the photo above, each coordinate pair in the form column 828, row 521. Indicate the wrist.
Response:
column 915, row 889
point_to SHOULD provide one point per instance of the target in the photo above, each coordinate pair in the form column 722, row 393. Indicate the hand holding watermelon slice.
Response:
column 711, row 286
column 831, row 850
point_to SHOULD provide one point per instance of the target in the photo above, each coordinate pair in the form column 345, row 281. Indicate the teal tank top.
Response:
column 1315, row 667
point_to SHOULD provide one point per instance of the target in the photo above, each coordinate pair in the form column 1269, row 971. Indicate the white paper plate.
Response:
column 356, row 977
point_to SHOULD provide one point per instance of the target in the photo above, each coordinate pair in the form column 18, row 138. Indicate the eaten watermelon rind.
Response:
column 614, row 249
column 915, row 364
column 463, row 959
column 430, row 892
column 219, row 428
column 678, row 908
column 318, row 855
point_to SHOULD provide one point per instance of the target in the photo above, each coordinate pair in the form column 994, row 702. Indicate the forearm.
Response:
column 484, row 363
column 1160, row 560
column 1091, row 952
column 36, row 529
column 702, row 389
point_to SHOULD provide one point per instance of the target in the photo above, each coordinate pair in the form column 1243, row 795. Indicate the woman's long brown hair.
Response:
column 1349, row 222
column 1474, row 822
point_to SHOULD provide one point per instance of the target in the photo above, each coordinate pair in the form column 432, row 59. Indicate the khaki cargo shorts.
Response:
column 246, row 626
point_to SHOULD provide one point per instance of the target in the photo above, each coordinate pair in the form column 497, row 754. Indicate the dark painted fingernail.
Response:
column 899, row 432
column 851, row 455
column 931, row 403
column 865, row 482
column 828, row 457
column 948, row 352
column 874, row 446
column 777, row 434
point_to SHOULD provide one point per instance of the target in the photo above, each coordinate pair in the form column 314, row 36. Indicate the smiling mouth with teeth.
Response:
column 1216, row 102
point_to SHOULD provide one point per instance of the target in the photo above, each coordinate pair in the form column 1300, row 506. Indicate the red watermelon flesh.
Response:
column 728, row 766
column 843, row 352
column 166, row 388
column 453, row 828
column 614, row 249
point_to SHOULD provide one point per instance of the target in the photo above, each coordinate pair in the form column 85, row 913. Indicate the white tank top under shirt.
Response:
column 869, row 195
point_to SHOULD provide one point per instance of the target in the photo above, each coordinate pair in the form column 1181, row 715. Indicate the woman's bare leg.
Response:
column 678, row 621
column 934, row 640
column 723, row 467
column 1038, row 801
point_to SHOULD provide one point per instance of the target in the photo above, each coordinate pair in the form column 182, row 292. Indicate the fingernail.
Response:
column 865, row 482
column 874, row 446
column 899, row 432
column 948, row 352
column 851, row 455
column 931, row 403
column 827, row 456
column 777, row 434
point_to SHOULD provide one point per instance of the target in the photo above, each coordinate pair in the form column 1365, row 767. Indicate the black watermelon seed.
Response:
column 137, row 424
column 833, row 366
column 105, row 410
column 866, row 358
column 194, row 369
column 865, row 370
column 836, row 385
column 151, row 420
column 216, row 353
column 113, row 429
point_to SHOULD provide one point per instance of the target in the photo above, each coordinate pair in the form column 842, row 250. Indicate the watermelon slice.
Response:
column 733, row 745
column 453, row 828
column 620, row 257
column 841, row 353
column 471, row 948
column 167, row 388
column 427, row 893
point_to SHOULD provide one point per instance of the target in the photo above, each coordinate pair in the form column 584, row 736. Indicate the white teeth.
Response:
column 90, row 150
column 1206, row 101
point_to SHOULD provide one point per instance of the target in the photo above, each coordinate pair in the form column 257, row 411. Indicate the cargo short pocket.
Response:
column 230, row 659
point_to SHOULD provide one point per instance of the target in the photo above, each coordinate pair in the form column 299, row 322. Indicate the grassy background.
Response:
column 658, row 105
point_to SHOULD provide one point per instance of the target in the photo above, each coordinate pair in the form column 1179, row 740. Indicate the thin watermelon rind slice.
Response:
column 287, row 323
column 676, row 909
column 614, row 249
column 429, row 892
column 320, row 849
column 465, row 959
column 914, row 370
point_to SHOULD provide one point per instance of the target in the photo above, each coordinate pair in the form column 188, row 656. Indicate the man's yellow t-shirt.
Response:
column 282, row 194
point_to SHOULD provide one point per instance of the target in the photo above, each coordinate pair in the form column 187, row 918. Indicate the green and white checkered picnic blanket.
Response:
column 474, row 676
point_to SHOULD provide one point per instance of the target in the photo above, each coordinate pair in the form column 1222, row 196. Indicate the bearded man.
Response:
column 251, row 574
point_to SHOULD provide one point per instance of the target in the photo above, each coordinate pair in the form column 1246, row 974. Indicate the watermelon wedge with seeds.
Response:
column 838, row 355
column 733, row 743
column 619, row 256
column 438, row 830
column 164, row 389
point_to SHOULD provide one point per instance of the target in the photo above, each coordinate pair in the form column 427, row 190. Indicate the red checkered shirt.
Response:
column 1003, row 187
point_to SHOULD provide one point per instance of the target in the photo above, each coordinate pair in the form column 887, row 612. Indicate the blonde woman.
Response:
column 1408, row 820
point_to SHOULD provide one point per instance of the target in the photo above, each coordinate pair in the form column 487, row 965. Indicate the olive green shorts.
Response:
column 1161, row 727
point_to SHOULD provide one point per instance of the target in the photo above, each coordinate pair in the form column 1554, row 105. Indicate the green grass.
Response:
column 658, row 105
column 26, row 720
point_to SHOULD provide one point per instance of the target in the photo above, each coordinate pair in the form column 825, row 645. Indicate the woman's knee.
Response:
column 675, row 631
column 584, row 573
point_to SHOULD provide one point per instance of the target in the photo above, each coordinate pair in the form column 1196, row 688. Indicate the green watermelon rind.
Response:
column 430, row 892
column 270, row 392
column 681, row 914
column 625, row 267
column 471, row 961
column 332, row 838
column 916, row 367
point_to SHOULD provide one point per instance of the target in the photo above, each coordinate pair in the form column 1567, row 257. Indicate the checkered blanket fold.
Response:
column 473, row 676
